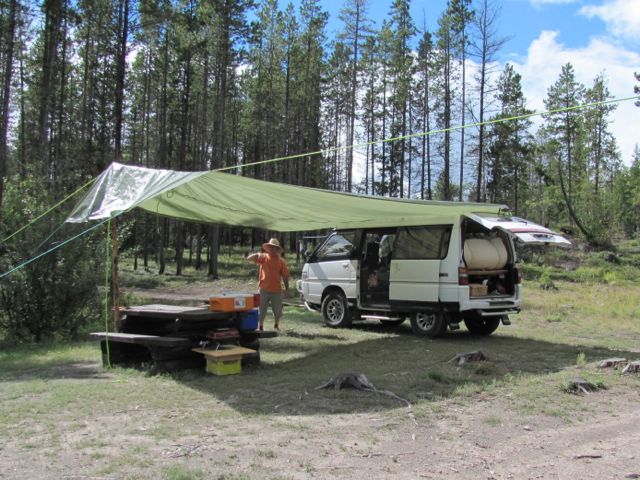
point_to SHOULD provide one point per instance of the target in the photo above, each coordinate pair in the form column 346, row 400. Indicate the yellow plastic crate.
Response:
column 224, row 367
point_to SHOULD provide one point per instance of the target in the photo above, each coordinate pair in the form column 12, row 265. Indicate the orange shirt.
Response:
column 272, row 268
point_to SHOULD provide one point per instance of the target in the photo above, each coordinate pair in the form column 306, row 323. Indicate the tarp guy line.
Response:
column 310, row 154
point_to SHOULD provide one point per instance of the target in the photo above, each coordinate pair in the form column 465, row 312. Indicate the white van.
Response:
column 437, row 275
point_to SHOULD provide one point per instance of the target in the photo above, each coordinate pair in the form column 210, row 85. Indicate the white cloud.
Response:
column 545, row 58
column 540, row 3
column 622, row 17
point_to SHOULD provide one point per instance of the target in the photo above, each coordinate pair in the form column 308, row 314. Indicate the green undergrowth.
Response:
column 620, row 267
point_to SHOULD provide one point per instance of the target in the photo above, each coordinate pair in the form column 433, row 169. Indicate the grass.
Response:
column 56, row 397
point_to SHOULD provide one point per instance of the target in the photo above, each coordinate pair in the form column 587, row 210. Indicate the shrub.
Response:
column 57, row 294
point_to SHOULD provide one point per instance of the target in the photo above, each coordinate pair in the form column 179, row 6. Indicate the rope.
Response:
column 49, row 236
column 327, row 150
column 431, row 132
column 62, row 244
column 107, row 264
column 50, row 210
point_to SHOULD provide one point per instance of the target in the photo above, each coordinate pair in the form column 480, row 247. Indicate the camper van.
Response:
column 437, row 275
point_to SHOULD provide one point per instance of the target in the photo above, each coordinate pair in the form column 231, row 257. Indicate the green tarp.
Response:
column 216, row 197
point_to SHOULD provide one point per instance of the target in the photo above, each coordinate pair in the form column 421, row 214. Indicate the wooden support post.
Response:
column 115, row 280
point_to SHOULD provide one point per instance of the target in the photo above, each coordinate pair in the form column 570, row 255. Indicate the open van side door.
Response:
column 521, row 230
column 415, row 263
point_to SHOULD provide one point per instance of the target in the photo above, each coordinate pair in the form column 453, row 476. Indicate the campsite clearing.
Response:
column 64, row 416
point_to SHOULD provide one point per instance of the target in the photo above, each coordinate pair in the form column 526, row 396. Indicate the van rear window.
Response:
column 428, row 243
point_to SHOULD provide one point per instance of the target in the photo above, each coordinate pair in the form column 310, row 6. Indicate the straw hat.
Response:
column 272, row 242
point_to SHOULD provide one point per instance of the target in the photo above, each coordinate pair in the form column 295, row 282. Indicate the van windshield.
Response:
column 338, row 246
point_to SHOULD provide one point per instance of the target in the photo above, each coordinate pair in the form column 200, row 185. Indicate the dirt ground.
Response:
column 462, row 442
column 476, row 437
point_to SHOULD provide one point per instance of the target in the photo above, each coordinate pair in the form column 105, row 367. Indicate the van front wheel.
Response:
column 484, row 326
column 428, row 324
column 335, row 310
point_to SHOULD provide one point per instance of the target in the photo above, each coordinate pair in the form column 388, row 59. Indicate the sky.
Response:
column 596, row 36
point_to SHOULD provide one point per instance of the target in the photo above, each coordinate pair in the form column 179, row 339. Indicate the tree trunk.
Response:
column 588, row 235
column 462, row 120
column 53, row 20
column 6, row 93
column 214, row 246
column 352, row 104
column 123, row 27
column 115, row 276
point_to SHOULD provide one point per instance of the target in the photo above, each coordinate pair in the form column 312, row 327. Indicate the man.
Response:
column 272, row 269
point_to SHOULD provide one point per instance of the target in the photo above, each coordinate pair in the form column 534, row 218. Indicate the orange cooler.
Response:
column 233, row 302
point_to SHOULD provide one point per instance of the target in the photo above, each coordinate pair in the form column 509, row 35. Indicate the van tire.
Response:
column 428, row 324
column 484, row 326
column 335, row 310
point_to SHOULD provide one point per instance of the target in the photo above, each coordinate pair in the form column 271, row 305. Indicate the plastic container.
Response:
column 249, row 320
column 224, row 367
column 231, row 302
column 256, row 300
column 482, row 254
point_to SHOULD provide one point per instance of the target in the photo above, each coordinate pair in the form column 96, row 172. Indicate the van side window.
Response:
column 337, row 247
column 428, row 243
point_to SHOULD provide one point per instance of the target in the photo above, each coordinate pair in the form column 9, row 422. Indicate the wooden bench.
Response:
column 139, row 339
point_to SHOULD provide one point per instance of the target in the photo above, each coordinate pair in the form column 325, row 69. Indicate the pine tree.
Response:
column 564, row 133
column 484, row 50
column 603, row 158
column 8, row 20
column 446, row 91
column 371, row 110
column 357, row 27
column 462, row 15
column 401, row 69
column 425, row 85
column 627, row 196
column 510, row 144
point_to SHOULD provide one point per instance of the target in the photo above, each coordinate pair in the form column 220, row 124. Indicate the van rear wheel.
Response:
column 335, row 310
column 428, row 324
column 482, row 325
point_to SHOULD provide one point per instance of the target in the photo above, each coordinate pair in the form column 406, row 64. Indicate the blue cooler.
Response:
column 249, row 320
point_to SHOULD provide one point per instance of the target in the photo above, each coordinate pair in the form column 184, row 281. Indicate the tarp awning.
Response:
column 216, row 197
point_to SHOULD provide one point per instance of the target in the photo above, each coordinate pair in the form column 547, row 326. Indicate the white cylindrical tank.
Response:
column 484, row 254
column 498, row 244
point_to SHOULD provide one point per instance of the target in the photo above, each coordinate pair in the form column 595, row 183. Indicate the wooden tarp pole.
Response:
column 115, row 279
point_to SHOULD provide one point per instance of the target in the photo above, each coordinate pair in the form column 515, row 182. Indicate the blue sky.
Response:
column 594, row 35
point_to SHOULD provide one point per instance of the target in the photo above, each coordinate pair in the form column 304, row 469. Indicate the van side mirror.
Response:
column 307, row 254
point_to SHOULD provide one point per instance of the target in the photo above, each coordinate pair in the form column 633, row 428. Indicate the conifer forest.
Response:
column 200, row 85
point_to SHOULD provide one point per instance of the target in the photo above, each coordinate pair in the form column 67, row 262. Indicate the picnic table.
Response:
column 164, row 336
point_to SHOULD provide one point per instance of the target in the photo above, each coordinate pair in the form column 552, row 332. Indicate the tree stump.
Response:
column 614, row 363
column 633, row 367
column 356, row 380
column 359, row 381
column 468, row 357
column 580, row 385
